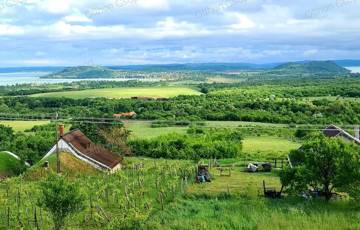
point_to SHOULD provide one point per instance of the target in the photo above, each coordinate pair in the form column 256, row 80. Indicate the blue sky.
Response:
column 123, row 32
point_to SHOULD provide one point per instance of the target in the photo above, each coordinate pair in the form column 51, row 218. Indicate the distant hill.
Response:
column 311, row 67
column 84, row 72
column 203, row 67
column 88, row 72
column 212, row 67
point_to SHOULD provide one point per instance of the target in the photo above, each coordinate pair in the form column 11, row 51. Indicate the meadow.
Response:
column 124, row 92
column 20, row 126
column 143, row 129
column 269, row 144
column 237, row 202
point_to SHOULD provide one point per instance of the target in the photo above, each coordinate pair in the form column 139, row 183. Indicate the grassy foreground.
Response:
column 156, row 92
column 123, row 200
column 230, row 201
column 236, row 202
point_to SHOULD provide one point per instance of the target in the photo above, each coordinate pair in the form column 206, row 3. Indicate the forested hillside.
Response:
column 302, row 102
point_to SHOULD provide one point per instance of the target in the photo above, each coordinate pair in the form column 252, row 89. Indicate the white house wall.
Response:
column 65, row 147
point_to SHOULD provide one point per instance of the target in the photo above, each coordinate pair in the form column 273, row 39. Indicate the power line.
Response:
column 108, row 120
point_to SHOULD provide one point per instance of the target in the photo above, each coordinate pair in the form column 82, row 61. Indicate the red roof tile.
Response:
column 86, row 147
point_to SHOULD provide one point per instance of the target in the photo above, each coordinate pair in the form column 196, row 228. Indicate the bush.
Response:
column 206, row 144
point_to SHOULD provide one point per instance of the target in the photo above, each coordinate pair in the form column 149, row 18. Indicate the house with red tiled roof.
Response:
column 128, row 115
column 76, row 143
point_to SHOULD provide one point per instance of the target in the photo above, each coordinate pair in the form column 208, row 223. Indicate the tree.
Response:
column 61, row 198
column 93, row 130
column 204, row 90
column 325, row 164
column 117, row 137
column 6, row 134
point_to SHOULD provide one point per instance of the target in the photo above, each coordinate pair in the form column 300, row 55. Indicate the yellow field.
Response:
column 23, row 125
column 156, row 92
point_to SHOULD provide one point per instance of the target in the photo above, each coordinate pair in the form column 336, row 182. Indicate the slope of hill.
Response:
column 311, row 67
column 9, row 165
column 69, row 165
column 200, row 67
column 84, row 72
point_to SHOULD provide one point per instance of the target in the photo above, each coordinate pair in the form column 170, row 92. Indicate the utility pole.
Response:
column 57, row 129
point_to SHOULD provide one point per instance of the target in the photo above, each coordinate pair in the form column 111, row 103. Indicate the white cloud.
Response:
column 169, row 27
column 153, row 4
column 41, row 62
column 265, row 29
column 241, row 21
column 66, row 30
column 311, row 52
column 76, row 18
column 55, row 6
column 6, row 29
column 40, row 53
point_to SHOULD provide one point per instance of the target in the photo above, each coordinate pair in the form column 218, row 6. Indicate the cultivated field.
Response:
column 127, row 197
column 22, row 125
column 126, row 92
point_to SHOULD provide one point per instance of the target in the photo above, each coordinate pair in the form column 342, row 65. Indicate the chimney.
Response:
column 357, row 132
column 61, row 130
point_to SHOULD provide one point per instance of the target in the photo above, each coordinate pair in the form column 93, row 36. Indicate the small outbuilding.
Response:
column 76, row 143
column 334, row 131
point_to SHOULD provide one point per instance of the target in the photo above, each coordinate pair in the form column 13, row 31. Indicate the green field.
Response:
column 270, row 145
column 143, row 129
column 22, row 125
column 253, row 145
column 237, row 202
column 156, row 92
column 236, row 124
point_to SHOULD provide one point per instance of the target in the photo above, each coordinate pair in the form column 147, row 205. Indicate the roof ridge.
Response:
column 344, row 132
column 71, row 131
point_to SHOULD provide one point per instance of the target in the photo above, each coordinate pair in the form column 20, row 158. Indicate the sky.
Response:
column 127, row 32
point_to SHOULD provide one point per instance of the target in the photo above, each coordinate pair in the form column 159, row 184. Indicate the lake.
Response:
column 354, row 69
column 34, row 78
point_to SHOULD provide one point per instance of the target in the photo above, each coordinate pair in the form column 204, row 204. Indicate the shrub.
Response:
column 206, row 144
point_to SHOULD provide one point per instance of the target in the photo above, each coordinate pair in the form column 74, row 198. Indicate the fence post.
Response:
column 8, row 216
column 35, row 219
